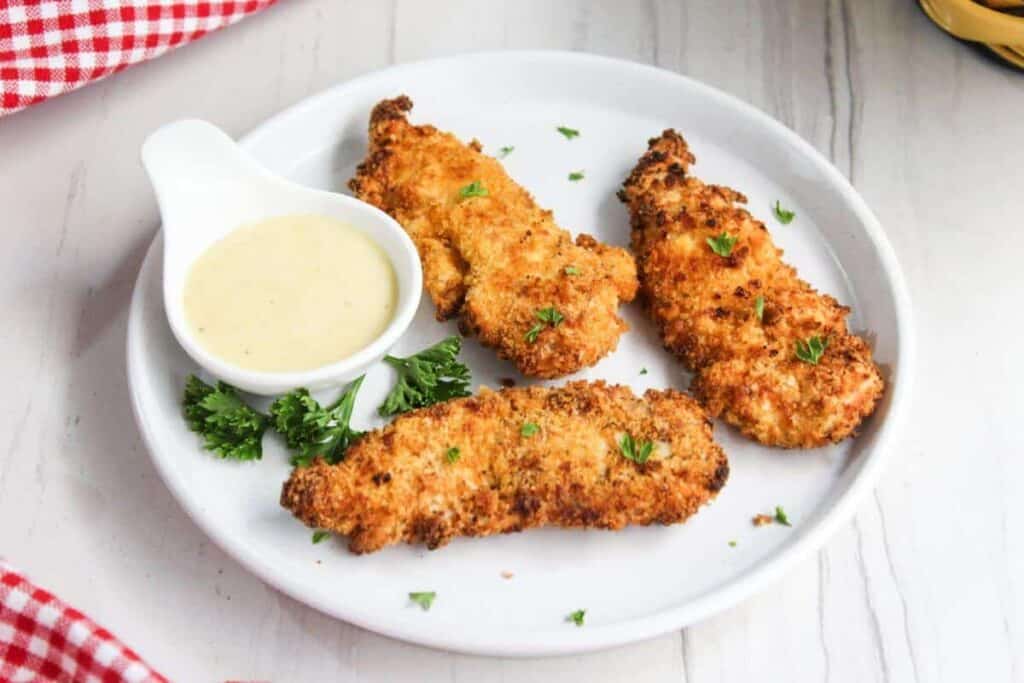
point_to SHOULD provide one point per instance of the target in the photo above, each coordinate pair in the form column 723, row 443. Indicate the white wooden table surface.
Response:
column 925, row 584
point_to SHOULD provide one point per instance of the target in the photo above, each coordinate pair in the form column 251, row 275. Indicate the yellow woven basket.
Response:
column 996, row 24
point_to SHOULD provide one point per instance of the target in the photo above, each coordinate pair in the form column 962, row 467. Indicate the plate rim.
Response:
column 631, row 629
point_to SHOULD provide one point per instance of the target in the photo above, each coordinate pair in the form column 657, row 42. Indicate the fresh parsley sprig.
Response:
column 314, row 431
column 810, row 351
column 234, row 430
column 431, row 376
column 546, row 316
column 637, row 451
column 229, row 427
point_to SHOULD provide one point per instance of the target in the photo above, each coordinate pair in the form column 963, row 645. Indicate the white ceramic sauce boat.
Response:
column 206, row 187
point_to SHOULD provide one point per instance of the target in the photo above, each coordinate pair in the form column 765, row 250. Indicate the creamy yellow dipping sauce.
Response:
column 290, row 293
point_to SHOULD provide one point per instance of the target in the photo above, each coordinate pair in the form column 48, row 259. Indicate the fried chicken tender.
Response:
column 403, row 483
column 705, row 306
column 494, row 260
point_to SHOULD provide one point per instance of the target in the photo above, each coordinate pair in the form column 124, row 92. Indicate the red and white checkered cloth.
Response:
column 48, row 47
column 43, row 639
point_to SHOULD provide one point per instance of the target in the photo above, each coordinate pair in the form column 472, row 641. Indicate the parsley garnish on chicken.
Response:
column 431, row 376
column 810, row 351
column 229, row 427
column 474, row 189
column 722, row 244
column 312, row 430
column 546, row 316
column 637, row 451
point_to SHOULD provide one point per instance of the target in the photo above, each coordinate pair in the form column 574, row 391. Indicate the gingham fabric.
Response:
column 43, row 639
column 48, row 47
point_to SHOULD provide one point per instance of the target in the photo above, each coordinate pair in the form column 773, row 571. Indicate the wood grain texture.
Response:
column 925, row 584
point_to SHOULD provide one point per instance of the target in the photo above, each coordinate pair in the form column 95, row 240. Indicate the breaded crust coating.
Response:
column 746, row 369
column 494, row 260
column 397, row 484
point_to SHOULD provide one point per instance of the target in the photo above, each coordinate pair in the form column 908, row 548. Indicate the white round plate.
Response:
column 635, row 583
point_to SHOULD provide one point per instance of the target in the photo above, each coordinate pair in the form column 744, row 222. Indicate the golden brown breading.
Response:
column 704, row 306
column 494, row 260
column 397, row 483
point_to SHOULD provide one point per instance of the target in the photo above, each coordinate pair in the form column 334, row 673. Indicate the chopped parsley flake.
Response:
column 550, row 315
column 452, row 455
column 643, row 371
column 577, row 617
column 638, row 452
column 722, row 244
column 529, row 429
column 759, row 307
column 575, row 176
column 810, row 351
column 732, row 544
column 572, row 270
column 785, row 216
column 474, row 189
column 534, row 332
column 780, row 516
column 505, row 151
column 320, row 535
column 546, row 316
column 424, row 599
column 569, row 133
